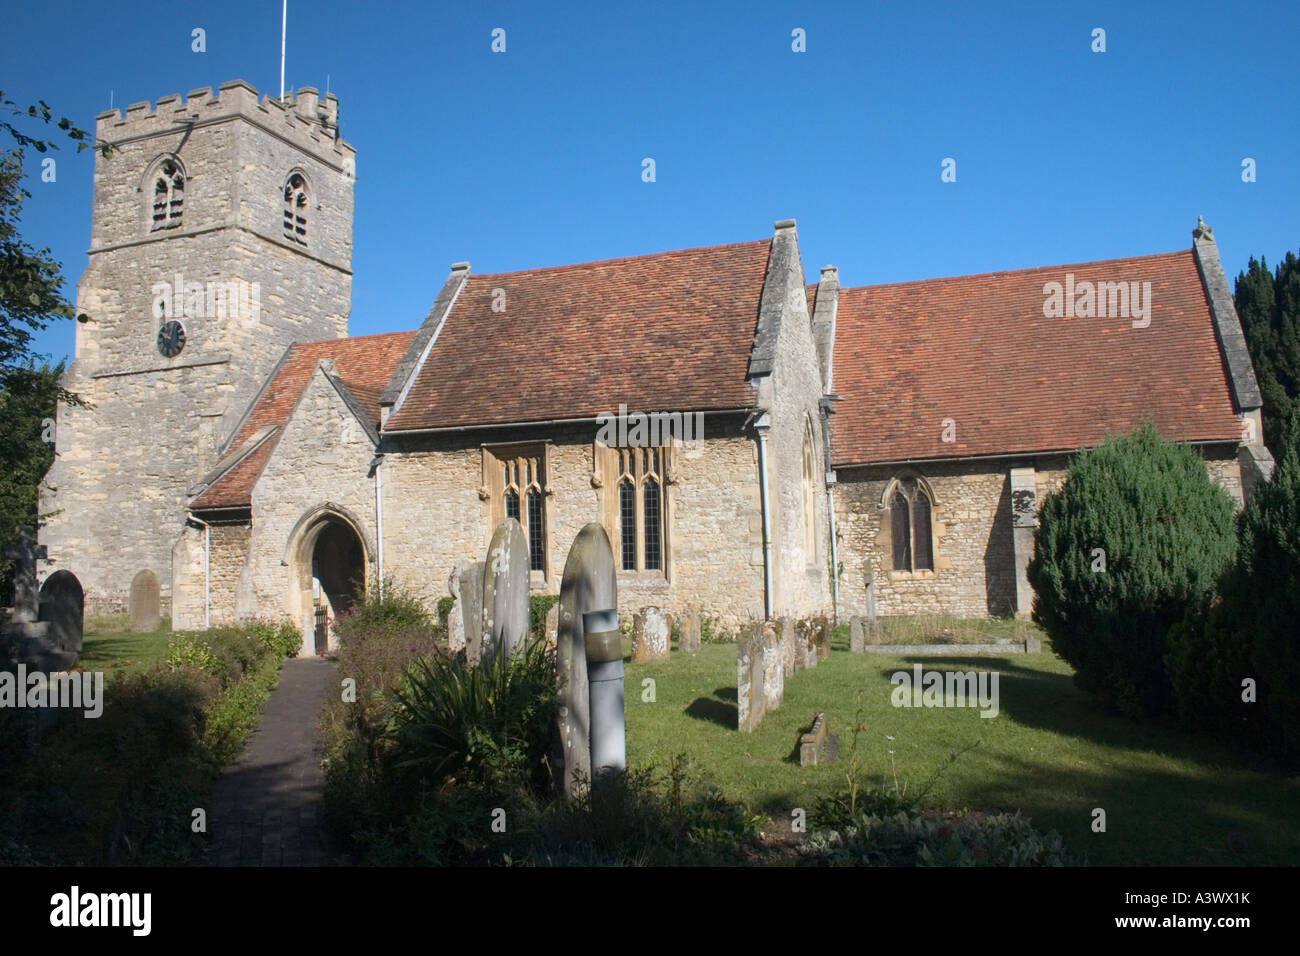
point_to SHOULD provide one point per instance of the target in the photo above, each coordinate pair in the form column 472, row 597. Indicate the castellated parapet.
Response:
column 231, row 165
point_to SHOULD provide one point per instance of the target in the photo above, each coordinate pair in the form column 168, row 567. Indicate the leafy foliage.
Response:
column 907, row 838
column 1269, row 307
column 1164, row 530
column 120, row 788
column 491, row 723
column 1249, row 630
column 386, row 609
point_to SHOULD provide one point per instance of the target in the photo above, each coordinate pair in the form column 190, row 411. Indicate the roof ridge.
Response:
column 618, row 259
column 1013, row 272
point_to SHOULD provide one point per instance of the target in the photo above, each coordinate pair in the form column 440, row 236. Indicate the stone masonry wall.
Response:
column 974, row 572
column 321, row 462
column 124, row 467
column 801, row 578
column 434, row 518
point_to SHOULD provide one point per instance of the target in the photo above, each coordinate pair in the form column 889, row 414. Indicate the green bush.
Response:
column 185, row 651
column 1250, row 630
column 445, row 604
column 491, row 723
column 120, row 788
column 1164, row 530
column 539, row 605
column 280, row 637
column 392, row 607
column 907, row 838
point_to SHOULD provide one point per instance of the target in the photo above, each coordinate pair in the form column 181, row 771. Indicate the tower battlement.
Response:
column 309, row 120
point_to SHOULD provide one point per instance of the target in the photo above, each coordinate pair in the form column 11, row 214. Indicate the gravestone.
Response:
column 650, row 635
column 145, row 615
column 857, row 635
column 588, row 584
column 505, row 592
column 456, row 616
column 773, row 669
column 787, row 646
column 688, row 631
column 24, row 553
column 750, row 698
column 63, row 608
column 805, row 646
column 24, row 635
column 818, row 746
column 471, row 609
column 552, row 629
column 822, row 637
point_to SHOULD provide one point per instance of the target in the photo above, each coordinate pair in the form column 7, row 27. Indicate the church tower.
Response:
column 221, row 233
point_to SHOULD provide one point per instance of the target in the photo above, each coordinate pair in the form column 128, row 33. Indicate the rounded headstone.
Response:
column 145, row 614
column 505, row 591
column 588, row 584
column 63, row 607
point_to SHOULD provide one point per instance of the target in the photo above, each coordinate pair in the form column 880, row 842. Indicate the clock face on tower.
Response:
column 171, row 338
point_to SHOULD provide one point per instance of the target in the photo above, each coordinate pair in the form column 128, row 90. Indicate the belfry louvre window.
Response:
column 515, row 487
column 295, row 208
column 910, row 528
column 168, row 196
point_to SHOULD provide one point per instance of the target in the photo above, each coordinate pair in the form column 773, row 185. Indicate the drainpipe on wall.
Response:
column 379, row 519
column 831, row 480
column 207, row 571
column 762, row 425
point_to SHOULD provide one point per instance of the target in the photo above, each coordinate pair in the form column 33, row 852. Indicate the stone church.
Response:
column 874, row 450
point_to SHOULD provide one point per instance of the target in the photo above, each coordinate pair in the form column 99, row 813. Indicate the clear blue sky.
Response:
column 533, row 157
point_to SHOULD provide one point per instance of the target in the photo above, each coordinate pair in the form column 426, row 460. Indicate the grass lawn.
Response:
column 1170, row 798
column 108, row 645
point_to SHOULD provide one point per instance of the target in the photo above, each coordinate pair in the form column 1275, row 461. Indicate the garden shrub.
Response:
column 445, row 604
column 1164, row 530
column 391, row 608
column 1250, row 629
column 120, row 788
column 491, row 722
column 907, row 838
column 539, row 605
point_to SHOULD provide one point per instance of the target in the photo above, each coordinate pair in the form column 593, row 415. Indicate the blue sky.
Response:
column 533, row 157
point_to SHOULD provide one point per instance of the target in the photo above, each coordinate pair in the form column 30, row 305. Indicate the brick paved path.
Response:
column 266, row 806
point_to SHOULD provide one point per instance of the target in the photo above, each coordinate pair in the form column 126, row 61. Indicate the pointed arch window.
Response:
column 168, row 197
column 640, row 508
column 295, row 208
column 809, row 493
column 910, row 527
column 522, row 486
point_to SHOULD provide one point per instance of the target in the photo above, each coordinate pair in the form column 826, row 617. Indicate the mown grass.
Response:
column 1170, row 798
column 113, row 650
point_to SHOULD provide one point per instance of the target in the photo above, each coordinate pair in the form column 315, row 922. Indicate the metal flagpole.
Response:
column 284, row 19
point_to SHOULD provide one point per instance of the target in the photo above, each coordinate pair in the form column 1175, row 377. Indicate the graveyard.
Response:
column 600, row 733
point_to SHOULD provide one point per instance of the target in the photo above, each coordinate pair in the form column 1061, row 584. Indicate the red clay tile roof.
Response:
column 978, row 349
column 364, row 365
column 671, row 331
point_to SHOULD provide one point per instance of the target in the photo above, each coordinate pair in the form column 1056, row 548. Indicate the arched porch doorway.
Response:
column 327, row 577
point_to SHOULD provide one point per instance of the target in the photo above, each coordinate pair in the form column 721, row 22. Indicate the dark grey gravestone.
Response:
column 145, row 615
column 24, row 553
column 588, row 584
column 63, row 608
column 505, row 591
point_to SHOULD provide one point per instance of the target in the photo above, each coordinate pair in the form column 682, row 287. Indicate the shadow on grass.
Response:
column 719, row 712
